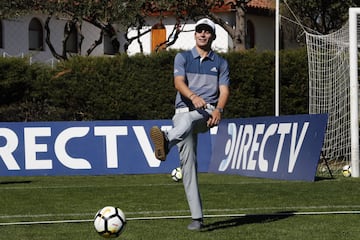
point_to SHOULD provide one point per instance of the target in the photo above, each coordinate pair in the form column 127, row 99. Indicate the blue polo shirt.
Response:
column 203, row 76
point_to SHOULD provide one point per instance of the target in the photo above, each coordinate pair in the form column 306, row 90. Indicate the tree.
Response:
column 323, row 16
column 96, row 12
column 128, row 13
column 185, row 10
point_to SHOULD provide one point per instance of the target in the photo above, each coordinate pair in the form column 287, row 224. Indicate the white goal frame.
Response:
column 354, row 95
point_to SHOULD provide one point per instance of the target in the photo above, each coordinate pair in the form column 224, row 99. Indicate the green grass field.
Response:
column 235, row 207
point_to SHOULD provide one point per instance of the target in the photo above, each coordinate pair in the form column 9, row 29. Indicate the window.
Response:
column 72, row 41
column 250, row 35
column 36, row 41
column 108, row 46
column 158, row 37
column 1, row 34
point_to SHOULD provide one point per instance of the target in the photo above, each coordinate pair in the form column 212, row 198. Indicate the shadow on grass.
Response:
column 14, row 182
column 248, row 219
column 317, row 178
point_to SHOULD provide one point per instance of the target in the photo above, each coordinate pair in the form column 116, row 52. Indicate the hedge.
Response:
column 141, row 87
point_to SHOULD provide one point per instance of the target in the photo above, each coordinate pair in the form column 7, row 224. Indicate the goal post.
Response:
column 354, row 95
column 333, row 89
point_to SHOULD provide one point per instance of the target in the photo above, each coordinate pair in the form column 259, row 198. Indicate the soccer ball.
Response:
column 110, row 222
column 176, row 174
column 346, row 171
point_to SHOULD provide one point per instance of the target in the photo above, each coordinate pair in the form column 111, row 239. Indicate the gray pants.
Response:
column 184, row 134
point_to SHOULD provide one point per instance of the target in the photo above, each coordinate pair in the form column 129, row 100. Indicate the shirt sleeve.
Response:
column 179, row 65
column 224, row 78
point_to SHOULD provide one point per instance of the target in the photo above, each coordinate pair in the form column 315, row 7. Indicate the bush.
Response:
column 141, row 87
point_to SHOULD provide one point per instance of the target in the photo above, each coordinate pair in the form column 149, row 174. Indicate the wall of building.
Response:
column 186, row 38
column 264, row 31
column 16, row 40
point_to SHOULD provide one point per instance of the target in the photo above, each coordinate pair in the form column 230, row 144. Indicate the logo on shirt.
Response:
column 214, row 69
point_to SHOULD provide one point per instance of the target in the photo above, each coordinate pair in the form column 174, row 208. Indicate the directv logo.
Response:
column 248, row 140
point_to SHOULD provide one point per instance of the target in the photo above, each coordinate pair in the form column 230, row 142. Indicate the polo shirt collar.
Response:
column 196, row 54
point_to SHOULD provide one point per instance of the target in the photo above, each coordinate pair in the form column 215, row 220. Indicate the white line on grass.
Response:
column 166, row 212
column 124, row 185
column 181, row 217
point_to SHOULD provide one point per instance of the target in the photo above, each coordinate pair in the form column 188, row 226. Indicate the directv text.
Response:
column 248, row 141
column 37, row 141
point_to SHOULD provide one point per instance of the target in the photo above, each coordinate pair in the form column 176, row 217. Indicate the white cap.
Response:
column 206, row 21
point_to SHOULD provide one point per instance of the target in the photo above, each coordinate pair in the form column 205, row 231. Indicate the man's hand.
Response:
column 215, row 118
column 198, row 102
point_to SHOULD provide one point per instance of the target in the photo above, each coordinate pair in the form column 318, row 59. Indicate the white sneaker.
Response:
column 195, row 225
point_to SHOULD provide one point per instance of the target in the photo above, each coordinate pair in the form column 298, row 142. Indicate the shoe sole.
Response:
column 158, row 139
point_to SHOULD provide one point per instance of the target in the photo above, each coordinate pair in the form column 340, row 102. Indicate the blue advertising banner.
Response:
column 84, row 148
column 286, row 147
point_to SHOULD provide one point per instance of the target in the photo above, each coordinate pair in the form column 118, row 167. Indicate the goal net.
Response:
column 331, row 91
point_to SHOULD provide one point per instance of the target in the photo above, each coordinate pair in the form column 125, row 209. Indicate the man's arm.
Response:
column 180, row 85
column 223, row 98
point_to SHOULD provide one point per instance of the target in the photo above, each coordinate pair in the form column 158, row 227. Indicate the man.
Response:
column 201, row 78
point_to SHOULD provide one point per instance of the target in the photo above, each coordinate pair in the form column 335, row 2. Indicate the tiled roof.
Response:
column 256, row 4
column 228, row 6
column 263, row 4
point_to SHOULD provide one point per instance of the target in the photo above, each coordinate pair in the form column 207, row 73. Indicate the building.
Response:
column 26, row 36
